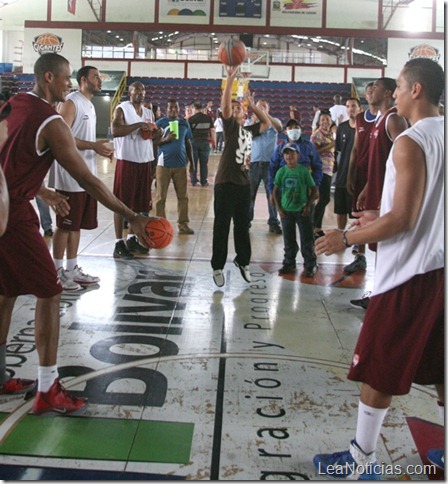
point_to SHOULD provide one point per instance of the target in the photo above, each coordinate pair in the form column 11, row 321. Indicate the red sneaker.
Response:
column 58, row 401
column 16, row 385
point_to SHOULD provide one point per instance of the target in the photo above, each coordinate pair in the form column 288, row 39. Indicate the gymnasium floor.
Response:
column 186, row 381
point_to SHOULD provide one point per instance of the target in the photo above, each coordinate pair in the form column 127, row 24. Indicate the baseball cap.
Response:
column 290, row 146
column 292, row 121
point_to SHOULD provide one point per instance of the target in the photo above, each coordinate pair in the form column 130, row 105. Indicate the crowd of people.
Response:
column 389, row 166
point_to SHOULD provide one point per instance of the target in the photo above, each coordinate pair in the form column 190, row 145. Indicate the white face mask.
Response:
column 294, row 134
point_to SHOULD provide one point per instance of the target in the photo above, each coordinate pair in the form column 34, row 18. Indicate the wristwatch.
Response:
column 344, row 239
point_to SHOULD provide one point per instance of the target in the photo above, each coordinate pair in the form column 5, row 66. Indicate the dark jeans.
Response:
column 306, row 239
column 219, row 140
column 260, row 171
column 201, row 152
column 231, row 202
column 324, row 200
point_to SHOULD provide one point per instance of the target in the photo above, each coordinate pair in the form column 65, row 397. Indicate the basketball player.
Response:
column 79, row 113
column 32, row 135
column 132, row 181
column 402, row 338
column 386, row 128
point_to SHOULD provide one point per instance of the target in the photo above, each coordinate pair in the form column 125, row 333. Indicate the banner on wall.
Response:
column 303, row 13
column 71, row 6
column 191, row 11
column 45, row 43
column 240, row 8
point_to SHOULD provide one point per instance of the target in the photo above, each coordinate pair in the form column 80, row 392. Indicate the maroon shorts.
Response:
column 83, row 212
column 402, row 339
column 132, row 185
column 26, row 266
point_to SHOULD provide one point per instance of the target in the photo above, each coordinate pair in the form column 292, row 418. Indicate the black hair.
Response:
column 49, row 62
column 83, row 72
column 427, row 73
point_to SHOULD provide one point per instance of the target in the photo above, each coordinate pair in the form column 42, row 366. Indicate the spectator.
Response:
column 45, row 217
column 202, row 130
column 263, row 147
column 219, row 130
column 174, row 153
column 338, row 112
column 323, row 140
column 294, row 194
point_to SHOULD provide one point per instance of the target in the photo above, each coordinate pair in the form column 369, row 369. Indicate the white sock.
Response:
column 46, row 375
column 119, row 240
column 129, row 236
column 58, row 263
column 72, row 263
column 369, row 425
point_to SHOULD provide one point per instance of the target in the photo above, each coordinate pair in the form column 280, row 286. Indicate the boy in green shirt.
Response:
column 294, row 194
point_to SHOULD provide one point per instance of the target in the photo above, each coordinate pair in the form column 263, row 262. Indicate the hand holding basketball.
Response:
column 160, row 231
column 231, row 52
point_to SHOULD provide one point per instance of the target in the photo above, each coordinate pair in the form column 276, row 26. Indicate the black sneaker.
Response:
column 48, row 233
column 121, row 251
column 287, row 269
column 359, row 264
column 275, row 229
column 311, row 271
column 134, row 246
column 362, row 303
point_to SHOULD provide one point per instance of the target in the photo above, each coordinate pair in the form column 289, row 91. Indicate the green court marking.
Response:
column 100, row 438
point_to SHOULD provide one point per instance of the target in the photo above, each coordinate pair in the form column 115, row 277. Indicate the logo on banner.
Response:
column 45, row 43
column 424, row 50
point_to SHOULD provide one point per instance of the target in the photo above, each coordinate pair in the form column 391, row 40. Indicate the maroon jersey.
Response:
column 26, row 264
column 21, row 118
column 363, row 129
column 379, row 148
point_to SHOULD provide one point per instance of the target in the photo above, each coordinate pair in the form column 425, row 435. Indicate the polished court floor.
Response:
column 189, row 381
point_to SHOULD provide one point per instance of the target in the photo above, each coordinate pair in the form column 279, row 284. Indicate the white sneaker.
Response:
column 218, row 278
column 78, row 276
column 244, row 270
column 67, row 283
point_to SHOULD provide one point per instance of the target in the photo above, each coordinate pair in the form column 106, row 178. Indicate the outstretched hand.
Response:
column 330, row 243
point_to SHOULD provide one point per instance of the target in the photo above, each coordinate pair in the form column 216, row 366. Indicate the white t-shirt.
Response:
column 336, row 111
column 421, row 249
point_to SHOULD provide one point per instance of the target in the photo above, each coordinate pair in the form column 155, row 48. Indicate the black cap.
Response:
column 292, row 121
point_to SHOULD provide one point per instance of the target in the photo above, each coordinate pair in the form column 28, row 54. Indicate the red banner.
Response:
column 71, row 6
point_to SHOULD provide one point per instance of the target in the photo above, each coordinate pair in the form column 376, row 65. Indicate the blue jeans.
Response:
column 260, row 171
column 306, row 239
column 44, row 214
column 231, row 202
column 201, row 152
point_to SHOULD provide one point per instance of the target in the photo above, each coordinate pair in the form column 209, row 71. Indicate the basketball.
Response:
column 160, row 231
column 231, row 52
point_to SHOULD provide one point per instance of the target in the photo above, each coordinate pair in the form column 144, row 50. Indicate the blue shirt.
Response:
column 264, row 145
column 309, row 158
column 174, row 153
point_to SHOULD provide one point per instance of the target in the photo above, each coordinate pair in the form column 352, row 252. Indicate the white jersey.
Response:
column 134, row 147
column 421, row 249
column 83, row 128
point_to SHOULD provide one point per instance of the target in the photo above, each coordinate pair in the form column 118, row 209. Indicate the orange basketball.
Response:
column 160, row 231
column 231, row 52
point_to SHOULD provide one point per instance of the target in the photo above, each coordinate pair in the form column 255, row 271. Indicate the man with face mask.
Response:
column 308, row 155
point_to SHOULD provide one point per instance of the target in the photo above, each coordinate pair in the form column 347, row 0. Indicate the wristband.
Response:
column 344, row 239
